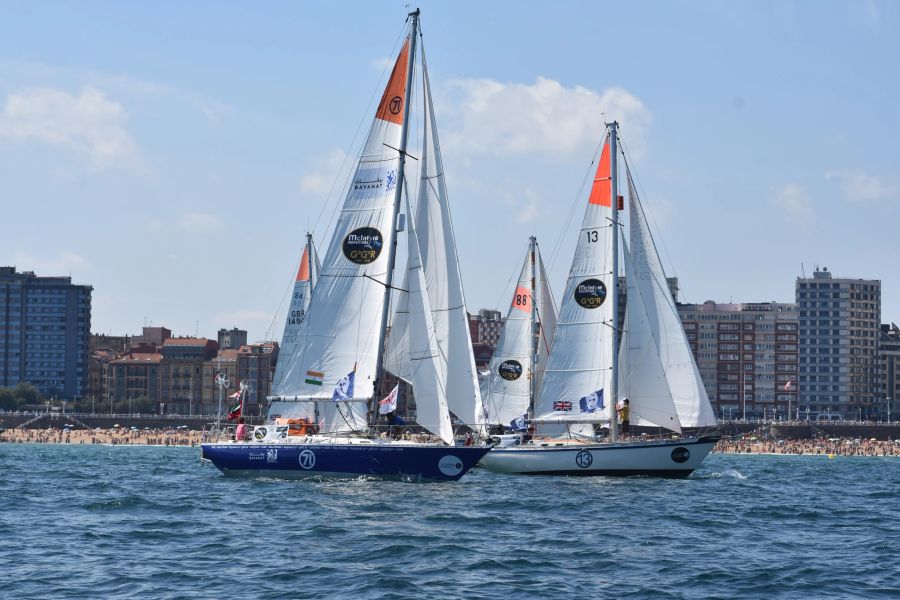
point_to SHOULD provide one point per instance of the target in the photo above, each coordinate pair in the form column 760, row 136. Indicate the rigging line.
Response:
column 505, row 287
column 557, row 247
column 365, row 115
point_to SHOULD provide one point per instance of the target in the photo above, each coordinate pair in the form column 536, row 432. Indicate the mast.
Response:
column 614, row 205
column 398, row 194
column 532, row 369
column 313, row 274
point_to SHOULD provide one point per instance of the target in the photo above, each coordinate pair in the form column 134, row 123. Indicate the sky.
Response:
column 173, row 155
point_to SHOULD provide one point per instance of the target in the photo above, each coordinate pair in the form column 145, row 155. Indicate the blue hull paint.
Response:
column 302, row 461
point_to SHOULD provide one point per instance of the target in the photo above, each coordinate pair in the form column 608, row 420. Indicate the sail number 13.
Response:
column 592, row 236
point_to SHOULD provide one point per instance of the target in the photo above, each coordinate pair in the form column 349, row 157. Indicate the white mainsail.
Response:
column 580, row 362
column 341, row 330
column 506, row 391
column 659, row 330
column 443, row 282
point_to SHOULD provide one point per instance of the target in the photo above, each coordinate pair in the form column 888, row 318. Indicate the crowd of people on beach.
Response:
column 833, row 446
column 112, row 436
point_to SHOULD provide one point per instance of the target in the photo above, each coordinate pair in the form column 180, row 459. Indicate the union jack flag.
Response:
column 564, row 405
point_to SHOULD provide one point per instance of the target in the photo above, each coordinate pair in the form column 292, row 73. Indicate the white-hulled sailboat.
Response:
column 585, row 378
column 518, row 361
column 340, row 355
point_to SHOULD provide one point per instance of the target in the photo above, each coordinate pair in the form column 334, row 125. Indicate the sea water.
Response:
column 156, row 522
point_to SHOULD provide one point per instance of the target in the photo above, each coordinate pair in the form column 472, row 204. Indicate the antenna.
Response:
column 802, row 270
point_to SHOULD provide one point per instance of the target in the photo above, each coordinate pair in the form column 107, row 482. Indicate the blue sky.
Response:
column 173, row 155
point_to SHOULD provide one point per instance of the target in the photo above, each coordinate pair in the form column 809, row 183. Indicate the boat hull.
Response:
column 669, row 458
column 343, row 460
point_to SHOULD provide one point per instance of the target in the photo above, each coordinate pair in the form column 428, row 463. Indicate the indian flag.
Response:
column 314, row 377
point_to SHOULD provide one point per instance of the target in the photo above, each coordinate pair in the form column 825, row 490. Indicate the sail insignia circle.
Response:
column 363, row 246
column 450, row 465
column 510, row 370
column 681, row 454
column 590, row 293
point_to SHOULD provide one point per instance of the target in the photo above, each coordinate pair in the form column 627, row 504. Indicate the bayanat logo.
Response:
column 590, row 293
column 363, row 246
column 681, row 454
column 510, row 370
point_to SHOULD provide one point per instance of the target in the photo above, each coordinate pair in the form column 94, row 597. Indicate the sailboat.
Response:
column 589, row 374
column 341, row 353
column 518, row 361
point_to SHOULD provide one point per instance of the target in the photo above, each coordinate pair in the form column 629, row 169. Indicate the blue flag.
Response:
column 517, row 424
column 591, row 402
column 344, row 389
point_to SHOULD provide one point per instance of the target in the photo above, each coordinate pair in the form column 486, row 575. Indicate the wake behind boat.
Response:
column 597, row 367
column 325, row 410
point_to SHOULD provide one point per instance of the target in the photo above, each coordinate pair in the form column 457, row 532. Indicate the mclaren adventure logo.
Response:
column 510, row 370
column 363, row 246
column 590, row 293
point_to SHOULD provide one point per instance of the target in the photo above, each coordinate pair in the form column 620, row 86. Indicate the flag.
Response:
column 235, row 413
column 314, row 377
column 388, row 404
column 562, row 405
column 787, row 386
column 517, row 424
column 235, row 396
column 344, row 388
column 592, row 402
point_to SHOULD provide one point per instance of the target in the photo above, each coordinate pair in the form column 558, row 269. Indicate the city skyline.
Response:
column 176, row 167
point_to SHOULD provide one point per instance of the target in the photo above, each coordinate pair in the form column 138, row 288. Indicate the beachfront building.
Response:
column 45, row 325
column 133, row 375
column 840, row 329
column 747, row 354
column 183, row 385
column 232, row 339
column 890, row 369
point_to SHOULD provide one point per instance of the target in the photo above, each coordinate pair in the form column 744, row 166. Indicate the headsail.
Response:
column 659, row 319
column 437, row 245
column 580, row 362
column 342, row 324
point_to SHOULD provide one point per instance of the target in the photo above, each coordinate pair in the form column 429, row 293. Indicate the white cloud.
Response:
column 486, row 116
column 194, row 222
column 89, row 124
column 65, row 263
column 860, row 187
column 795, row 202
column 327, row 169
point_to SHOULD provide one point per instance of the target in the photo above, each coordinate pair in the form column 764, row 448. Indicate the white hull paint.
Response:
column 668, row 458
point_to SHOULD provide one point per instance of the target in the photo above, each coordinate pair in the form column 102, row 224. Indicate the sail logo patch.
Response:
column 584, row 459
column 391, row 180
column 450, row 465
column 590, row 293
column 681, row 454
column 363, row 246
column 307, row 459
column 510, row 370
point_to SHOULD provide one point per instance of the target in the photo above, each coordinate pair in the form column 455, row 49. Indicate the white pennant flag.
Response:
column 388, row 404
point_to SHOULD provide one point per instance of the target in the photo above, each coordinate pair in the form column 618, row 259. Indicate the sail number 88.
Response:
column 521, row 299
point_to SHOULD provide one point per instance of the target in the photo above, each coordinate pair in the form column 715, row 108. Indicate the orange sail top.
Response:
column 391, row 106
column 601, row 192
column 303, row 271
column 522, row 299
